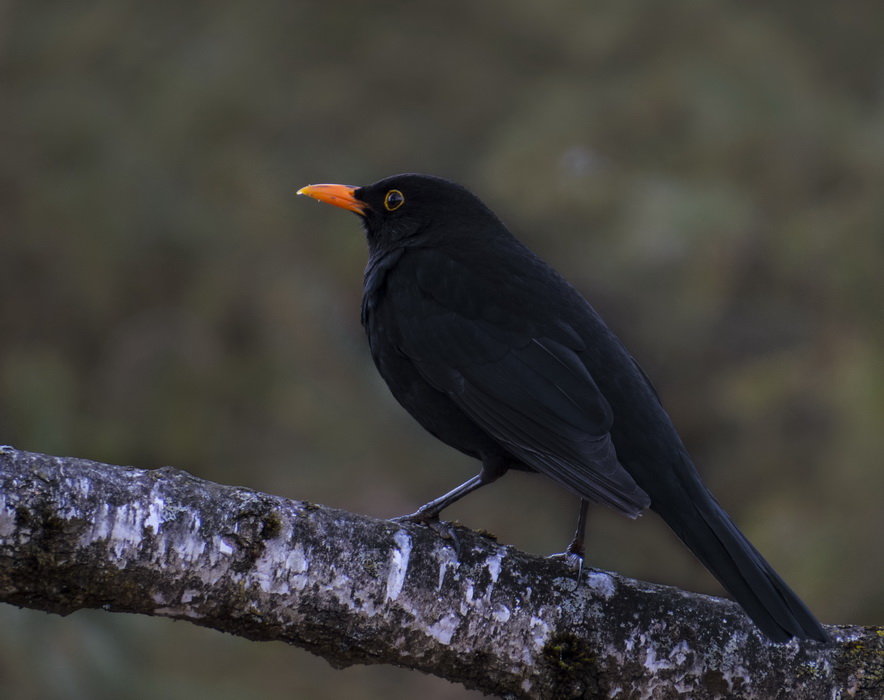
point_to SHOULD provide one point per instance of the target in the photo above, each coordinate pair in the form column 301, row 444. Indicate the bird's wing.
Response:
column 519, row 380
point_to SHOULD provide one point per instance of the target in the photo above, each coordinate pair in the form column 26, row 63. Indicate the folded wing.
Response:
column 521, row 380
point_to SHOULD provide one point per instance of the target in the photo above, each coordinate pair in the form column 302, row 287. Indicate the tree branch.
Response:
column 79, row 534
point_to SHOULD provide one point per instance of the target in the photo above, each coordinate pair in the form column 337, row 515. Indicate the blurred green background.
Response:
column 709, row 174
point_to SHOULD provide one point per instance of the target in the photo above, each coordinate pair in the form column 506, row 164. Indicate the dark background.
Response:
column 709, row 174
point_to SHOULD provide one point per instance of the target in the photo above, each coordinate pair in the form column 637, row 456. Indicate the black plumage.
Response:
column 497, row 355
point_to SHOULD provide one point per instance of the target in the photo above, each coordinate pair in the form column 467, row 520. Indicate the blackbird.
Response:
column 497, row 355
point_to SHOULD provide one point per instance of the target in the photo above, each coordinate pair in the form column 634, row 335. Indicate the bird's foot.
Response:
column 573, row 560
column 445, row 530
column 419, row 517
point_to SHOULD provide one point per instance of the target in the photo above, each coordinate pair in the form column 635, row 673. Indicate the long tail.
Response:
column 703, row 525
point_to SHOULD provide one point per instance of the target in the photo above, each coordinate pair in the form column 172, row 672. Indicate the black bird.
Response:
column 494, row 353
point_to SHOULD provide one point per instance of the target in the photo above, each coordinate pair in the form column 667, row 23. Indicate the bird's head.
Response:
column 403, row 208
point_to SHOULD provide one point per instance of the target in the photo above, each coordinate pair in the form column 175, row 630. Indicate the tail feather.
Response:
column 703, row 525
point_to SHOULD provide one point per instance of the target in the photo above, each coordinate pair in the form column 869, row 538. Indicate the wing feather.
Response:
column 529, row 391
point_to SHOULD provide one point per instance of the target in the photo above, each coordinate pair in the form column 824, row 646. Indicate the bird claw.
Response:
column 572, row 560
column 417, row 517
column 445, row 530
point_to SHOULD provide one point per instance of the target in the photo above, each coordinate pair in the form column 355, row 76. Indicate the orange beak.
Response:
column 343, row 196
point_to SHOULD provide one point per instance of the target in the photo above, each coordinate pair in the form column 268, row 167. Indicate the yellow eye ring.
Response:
column 393, row 200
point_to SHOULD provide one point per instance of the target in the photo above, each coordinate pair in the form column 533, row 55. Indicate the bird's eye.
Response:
column 393, row 200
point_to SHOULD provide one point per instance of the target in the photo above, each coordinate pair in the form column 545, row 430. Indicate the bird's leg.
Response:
column 573, row 555
column 493, row 467
column 429, row 512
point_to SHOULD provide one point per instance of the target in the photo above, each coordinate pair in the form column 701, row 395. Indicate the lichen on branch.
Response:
column 79, row 534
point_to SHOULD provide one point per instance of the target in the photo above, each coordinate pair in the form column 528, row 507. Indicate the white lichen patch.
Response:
column 297, row 565
column 222, row 546
column 652, row 663
column 281, row 569
column 77, row 487
column 154, row 517
column 443, row 630
column 492, row 564
column 189, row 547
column 602, row 583
column 399, row 558
column 126, row 530
column 468, row 594
column 7, row 518
column 539, row 632
column 534, row 633
column 738, row 677
column 680, row 653
column 501, row 613
column 124, row 527
column 735, row 674
column 447, row 558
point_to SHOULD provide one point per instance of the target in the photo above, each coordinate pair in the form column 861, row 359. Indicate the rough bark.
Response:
column 79, row 534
